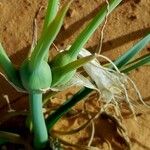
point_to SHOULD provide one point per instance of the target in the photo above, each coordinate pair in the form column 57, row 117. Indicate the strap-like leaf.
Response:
column 51, row 13
column 8, row 67
column 53, row 29
column 61, row 75
column 140, row 62
column 127, row 56
column 90, row 29
column 73, row 65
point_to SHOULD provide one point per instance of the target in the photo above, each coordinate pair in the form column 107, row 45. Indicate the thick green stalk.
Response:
column 39, row 127
column 63, row 109
column 90, row 29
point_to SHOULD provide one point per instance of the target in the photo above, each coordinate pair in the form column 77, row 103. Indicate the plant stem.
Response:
column 39, row 127
column 63, row 109
column 90, row 29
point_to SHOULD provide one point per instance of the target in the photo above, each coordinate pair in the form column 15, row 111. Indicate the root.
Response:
column 83, row 147
column 34, row 34
column 10, row 109
column 99, row 48
column 108, row 143
column 121, row 130
column 73, row 131
column 138, row 92
column 56, row 48
column 92, row 133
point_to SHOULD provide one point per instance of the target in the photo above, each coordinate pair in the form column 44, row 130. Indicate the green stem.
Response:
column 90, row 29
column 63, row 109
column 39, row 127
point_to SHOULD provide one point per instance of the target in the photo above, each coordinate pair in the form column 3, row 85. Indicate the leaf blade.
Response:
column 90, row 29
column 42, row 47
column 136, row 65
column 126, row 57
column 51, row 13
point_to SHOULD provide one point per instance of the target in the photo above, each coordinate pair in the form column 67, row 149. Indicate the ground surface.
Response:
column 126, row 25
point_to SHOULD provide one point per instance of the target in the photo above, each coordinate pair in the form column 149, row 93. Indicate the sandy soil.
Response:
column 126, row 25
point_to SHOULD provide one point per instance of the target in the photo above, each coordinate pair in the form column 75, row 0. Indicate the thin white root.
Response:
column 110, row 61
column 83, row 147
column 102, row 30
column 129, row 103
column 10, row 109
column 73, row 131
column 92, row 125
column 108, row 143
column 34, row 34
column 138, row 92
column 34, row 37
column 56, row 48
column 92, row 133
column 120, row 128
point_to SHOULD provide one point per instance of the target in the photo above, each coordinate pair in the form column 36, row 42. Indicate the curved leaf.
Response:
column 127, row 56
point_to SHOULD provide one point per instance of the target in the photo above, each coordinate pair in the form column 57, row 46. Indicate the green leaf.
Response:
column 73, row 65
column 63, row 74
column 127, row 56
column 136, row 65
column 90, row 29
column 51, row 13
column 8, row 67
column 135, row 60
column 53, row 29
